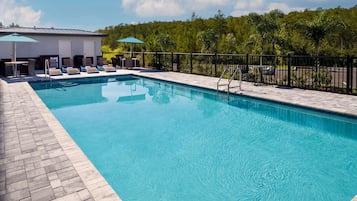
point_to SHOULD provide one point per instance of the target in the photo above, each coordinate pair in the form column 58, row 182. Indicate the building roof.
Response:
column 49, row 31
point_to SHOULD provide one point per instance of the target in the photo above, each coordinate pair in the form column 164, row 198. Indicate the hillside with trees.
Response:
column 331, row 32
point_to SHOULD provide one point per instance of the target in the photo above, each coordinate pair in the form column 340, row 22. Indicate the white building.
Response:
column 55, row 43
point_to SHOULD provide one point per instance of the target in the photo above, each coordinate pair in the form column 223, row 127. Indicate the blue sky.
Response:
column 97, row 14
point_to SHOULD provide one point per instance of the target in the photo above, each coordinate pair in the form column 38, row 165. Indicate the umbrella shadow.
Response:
column 24, row 79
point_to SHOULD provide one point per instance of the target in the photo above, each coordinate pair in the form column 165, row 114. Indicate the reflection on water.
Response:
column 138, row 89
column 309, row 118
column 138, row 97
column 69, row 93
column 129, row 90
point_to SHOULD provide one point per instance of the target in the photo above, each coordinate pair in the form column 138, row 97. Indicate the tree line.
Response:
column 329, row 32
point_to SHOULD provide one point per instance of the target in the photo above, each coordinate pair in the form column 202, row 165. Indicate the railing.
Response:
column 333, row 74
column 230, row 72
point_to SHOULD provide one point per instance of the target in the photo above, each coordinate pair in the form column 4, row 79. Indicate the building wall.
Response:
column 49, row 45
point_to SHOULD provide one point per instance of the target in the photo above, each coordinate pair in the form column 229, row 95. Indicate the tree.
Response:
column 208, row 40
column 219, row 24
column 318, row 28
column 164, row 42
column 265, row 28
column 229, row 43
column 283, row 41
column 270, row 33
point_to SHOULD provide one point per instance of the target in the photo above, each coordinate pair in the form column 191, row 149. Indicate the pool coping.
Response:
column 37, row 177
column 96, row 184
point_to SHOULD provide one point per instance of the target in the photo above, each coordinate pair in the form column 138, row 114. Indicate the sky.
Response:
column 92, row 15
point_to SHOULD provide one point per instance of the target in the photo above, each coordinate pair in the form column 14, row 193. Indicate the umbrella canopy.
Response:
column 132, row 40
column 14, row 38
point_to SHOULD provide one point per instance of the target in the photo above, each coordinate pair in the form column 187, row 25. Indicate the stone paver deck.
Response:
column 333, row 102
column 40, row 161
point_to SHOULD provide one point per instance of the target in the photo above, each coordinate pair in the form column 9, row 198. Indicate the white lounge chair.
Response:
column 91, row 69
column 53, row 69
column 109, row 68
column 67, row 67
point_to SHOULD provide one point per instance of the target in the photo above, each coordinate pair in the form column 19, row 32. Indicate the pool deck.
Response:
column 40, row 161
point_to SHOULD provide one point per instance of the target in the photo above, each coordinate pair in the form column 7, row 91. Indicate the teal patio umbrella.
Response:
column 132, row 40
column 15, row 38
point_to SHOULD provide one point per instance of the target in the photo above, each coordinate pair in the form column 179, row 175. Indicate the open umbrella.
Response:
column 14, row 38
column 132, row 40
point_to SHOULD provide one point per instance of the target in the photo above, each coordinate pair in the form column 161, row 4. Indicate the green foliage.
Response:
column 314, row 79
column 330, row 32
column 164, row 42
column 321, row 78
column 319, row 28
column 229, row 43
column 109, row 53
column 266, row 31
column 208, row 40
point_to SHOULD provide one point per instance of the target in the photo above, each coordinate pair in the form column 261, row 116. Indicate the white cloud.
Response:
column 283, row 7
column 244, row 7
column 128, row 3
column 23, row 16
column 154, row 8
column 173, row 8
column 204, row 4
column 241, row 5
column 256, row 4
column 179, row 8
column 158, row 8
column 10, row 12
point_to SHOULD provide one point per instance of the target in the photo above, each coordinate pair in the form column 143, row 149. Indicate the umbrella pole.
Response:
column 14, row 65
column 131, row 50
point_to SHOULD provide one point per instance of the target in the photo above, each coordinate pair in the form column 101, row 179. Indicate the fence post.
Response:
column 172, row 61
column 215, row 64
column 156, row 60
column 289, row 70
column 159, row 64
column 247, row 60
column 143, row 55
column 349, row 74
column 191, row 62
column 178, row 62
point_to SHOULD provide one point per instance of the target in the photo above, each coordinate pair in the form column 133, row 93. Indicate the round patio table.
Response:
column 14, row 65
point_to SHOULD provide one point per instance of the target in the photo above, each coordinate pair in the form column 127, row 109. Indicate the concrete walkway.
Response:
column 40, row 161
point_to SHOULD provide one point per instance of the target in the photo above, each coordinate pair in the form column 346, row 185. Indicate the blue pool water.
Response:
column 155, row 140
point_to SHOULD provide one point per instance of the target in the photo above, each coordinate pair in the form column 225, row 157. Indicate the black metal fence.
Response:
column 333, row 74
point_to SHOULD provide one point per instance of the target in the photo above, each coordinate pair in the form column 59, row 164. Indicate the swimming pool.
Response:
column 155, row 140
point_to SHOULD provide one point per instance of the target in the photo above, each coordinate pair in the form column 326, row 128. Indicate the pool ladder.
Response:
column 230, row 71
column 47, row 71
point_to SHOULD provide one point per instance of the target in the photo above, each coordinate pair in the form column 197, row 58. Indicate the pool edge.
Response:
column 243, row 94
column 96, row 184
column 168, row 80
